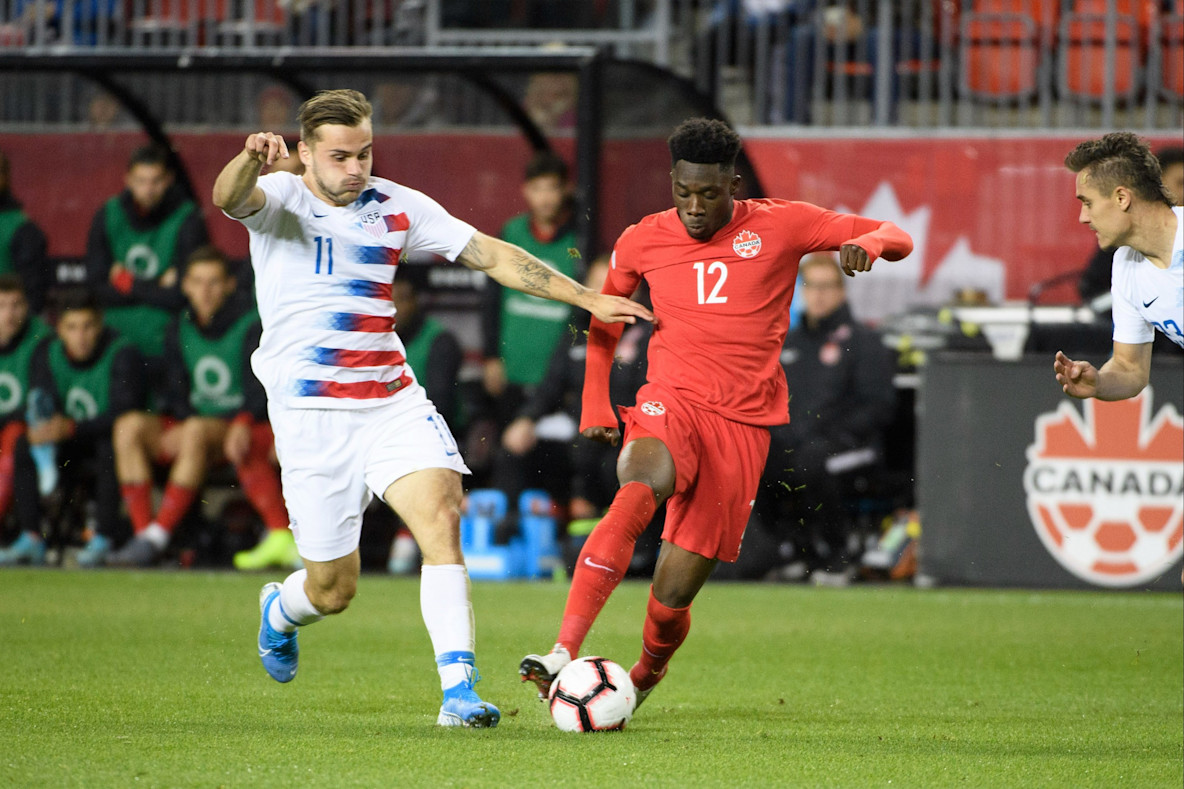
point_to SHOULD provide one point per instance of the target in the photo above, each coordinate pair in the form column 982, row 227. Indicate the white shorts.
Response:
column 333, row 461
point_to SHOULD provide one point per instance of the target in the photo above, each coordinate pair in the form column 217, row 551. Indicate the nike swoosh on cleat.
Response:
column 591, row 563
column 264, row 652
column 1147, row 304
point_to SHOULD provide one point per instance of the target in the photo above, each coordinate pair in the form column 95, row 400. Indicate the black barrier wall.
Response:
column 1020, row 485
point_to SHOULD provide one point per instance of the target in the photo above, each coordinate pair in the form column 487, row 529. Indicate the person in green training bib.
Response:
column 137, row 242
column 22, row 243
column 20, row 335
column 521, row 331
column 91, row 376
column 213, row 411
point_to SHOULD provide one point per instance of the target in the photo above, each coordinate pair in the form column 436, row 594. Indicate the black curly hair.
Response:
column 1121, row 159
column 704, row 141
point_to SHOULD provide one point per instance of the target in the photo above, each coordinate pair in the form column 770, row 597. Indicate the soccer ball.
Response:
column 592, row 694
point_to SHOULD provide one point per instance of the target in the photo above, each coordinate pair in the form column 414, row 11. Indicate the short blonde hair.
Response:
column 822, row 260
column 332, row 107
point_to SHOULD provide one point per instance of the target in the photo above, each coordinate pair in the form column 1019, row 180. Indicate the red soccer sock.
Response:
column 138, row 498
column 604, row 560
column 174, row 505
column 8, row 438
column 261, row 484
column 664, row 631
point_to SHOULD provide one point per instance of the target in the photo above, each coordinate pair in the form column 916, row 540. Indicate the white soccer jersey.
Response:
column 323, row 284
column 1146, row 297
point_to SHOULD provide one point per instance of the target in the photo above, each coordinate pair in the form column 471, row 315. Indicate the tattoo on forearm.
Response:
column 474, row 258
column 535, row 274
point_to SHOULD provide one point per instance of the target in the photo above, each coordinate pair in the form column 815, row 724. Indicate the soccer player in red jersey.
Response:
column 721, row 275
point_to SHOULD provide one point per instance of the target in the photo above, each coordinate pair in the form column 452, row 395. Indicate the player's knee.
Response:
column 439, row 542
column 673, row 594
column 333, row 599
column 128, row 431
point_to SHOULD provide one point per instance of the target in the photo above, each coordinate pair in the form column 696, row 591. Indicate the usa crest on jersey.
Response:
column 373, row 223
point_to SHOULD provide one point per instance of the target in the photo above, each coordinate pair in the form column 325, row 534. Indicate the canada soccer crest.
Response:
column 746, row 244
column 1105, row 489
column 652, row 408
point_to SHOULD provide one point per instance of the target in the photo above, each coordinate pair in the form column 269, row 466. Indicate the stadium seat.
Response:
column 1084, row 70
column 1002, row 45
column 1168, row 49
column 197, row 22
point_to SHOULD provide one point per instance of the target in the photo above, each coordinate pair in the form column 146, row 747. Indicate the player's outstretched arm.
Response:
column 516, row 268
column 1123, row 376
column 235, row 189
column 882, row 240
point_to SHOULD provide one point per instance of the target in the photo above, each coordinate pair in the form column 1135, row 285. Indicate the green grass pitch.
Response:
column 151, row 679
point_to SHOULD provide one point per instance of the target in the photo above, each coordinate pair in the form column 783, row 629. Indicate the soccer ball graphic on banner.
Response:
column 592, row 694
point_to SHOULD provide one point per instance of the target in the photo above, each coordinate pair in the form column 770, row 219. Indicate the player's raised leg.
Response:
column 305, row 596
column 646, row 471
column 678, row 577
column 429, row 501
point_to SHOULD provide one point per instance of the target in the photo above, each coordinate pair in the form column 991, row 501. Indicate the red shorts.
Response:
column 261, row 437
column 717, row 463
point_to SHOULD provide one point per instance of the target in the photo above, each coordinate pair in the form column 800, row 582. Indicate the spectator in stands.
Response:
column 80, row 22
column 405, row 104
column 550, row 100
column 137, row 241
column 521, row 331
column 1095, row 280
column 840, row 401
column 847, row 31
column 91, row 376
column 214, row 411
column 22, row 243
column 435, row 354
column 20, row 335
column 276, row 108
column 104, row 112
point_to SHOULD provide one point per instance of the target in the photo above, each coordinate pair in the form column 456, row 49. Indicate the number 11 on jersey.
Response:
column 325, row 249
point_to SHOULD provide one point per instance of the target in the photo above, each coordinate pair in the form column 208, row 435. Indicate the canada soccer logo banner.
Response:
column 1105, row 488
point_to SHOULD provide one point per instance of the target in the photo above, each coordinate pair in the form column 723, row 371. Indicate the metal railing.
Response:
column 913, row 64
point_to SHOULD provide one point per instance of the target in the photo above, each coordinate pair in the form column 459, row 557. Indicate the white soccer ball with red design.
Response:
column 592, row 694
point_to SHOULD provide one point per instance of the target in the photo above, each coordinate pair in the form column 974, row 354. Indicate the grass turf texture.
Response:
column 115, row 678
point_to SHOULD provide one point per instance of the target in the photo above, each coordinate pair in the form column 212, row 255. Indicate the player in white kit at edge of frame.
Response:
column 349, row 418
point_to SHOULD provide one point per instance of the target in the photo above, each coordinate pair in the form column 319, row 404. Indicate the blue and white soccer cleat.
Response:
column 463, row 707
column 94, row 554
column 279, row 651
column 28, row 549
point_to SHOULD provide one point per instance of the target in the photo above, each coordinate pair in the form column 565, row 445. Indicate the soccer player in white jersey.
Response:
column 1124, row 201
column 350, row 420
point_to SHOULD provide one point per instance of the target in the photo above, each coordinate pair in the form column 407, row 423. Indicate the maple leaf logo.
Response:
column 1105, row 488
column 746, row 244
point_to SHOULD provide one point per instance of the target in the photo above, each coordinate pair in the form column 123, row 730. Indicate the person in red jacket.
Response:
column 721, row 275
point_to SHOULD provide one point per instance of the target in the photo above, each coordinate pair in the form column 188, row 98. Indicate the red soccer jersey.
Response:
column 722, row 305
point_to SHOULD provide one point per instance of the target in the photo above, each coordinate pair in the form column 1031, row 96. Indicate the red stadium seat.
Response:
column 1084, row 69
column 1002, row 43
column 1169, row 49
column 196, row 21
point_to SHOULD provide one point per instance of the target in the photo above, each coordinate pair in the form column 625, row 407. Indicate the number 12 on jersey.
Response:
column 325, row 250
column 700, row 277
